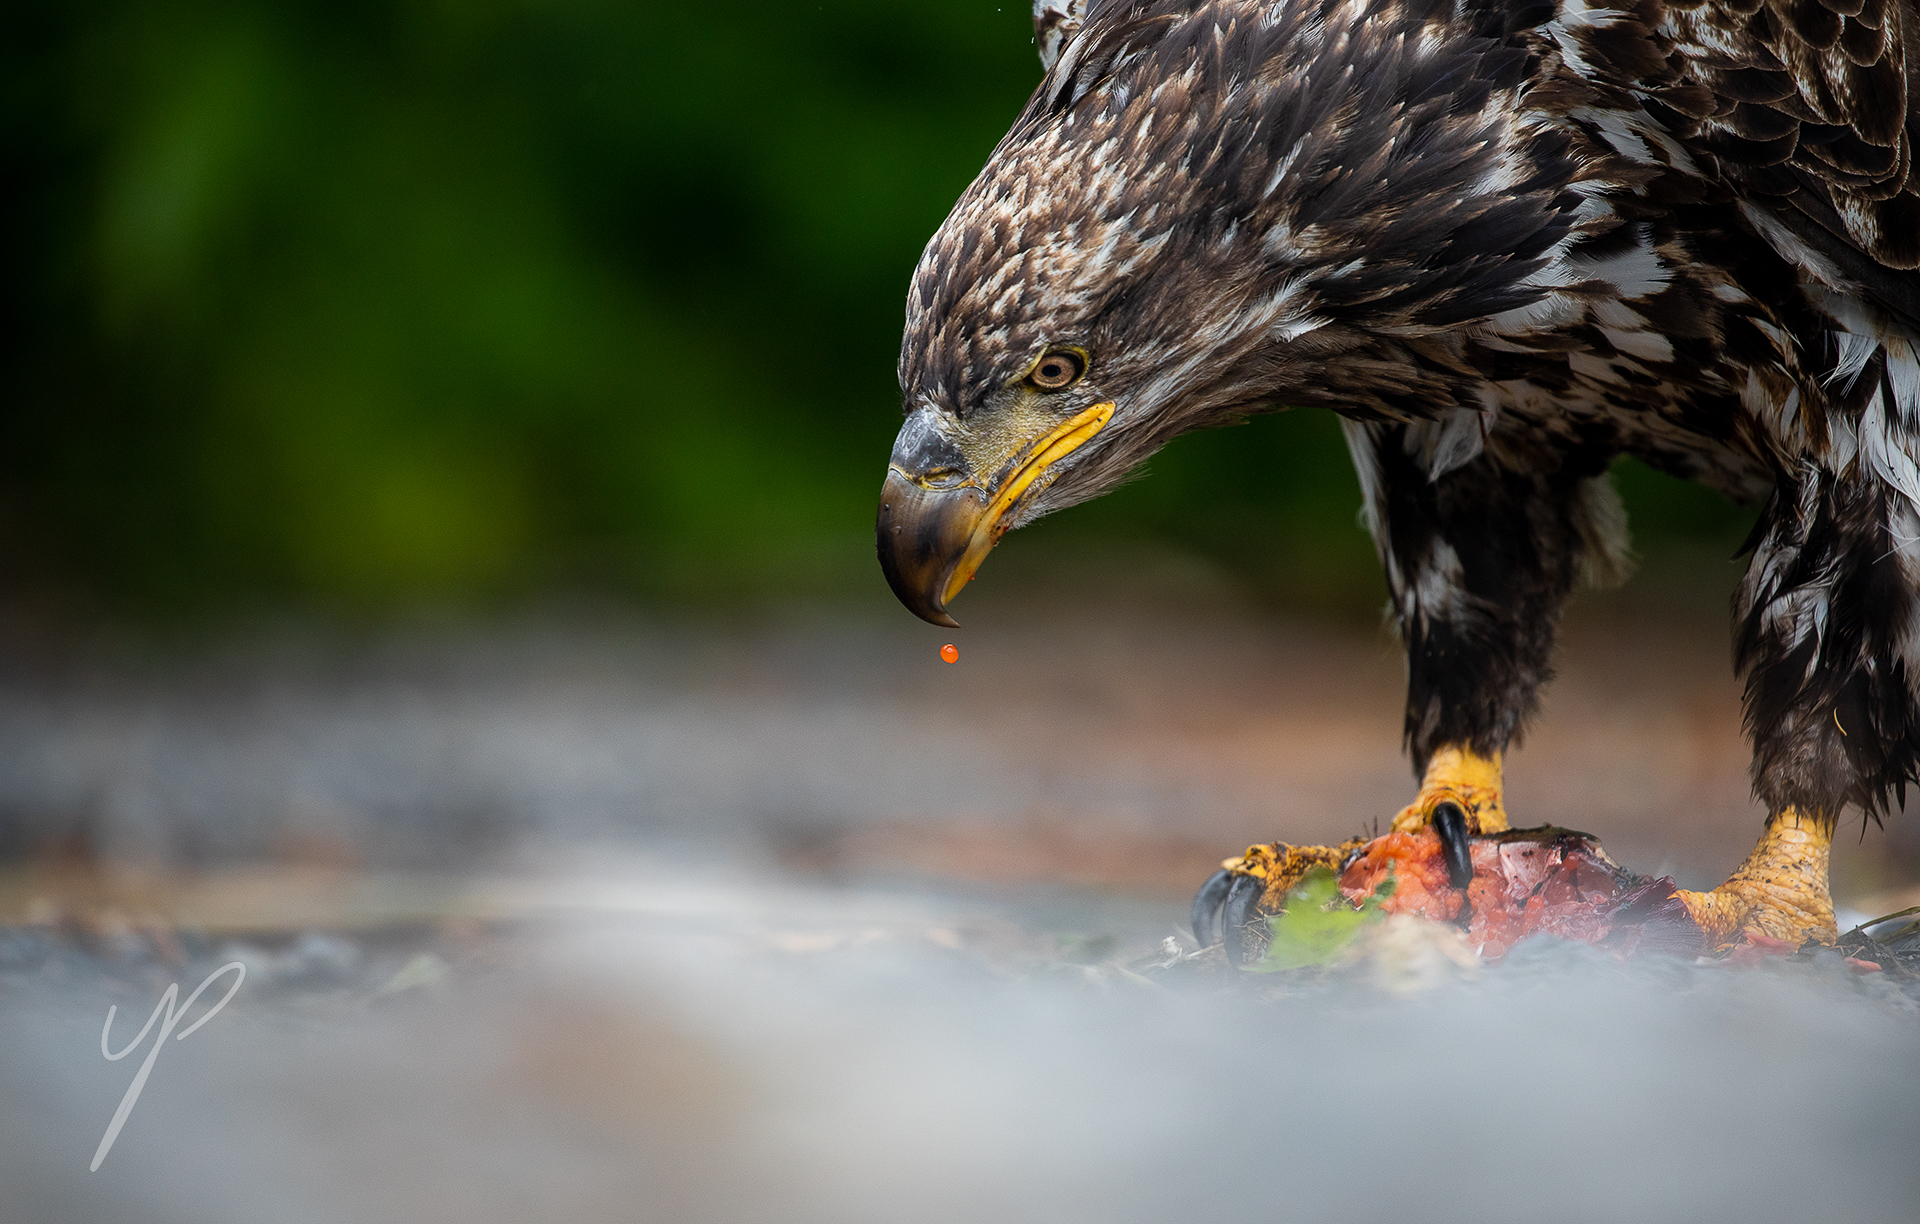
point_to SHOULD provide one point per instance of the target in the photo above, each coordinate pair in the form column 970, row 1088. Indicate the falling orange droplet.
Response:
column 950, row 653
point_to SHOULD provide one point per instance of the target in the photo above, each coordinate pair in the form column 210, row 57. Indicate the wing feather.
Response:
column 1815, row 120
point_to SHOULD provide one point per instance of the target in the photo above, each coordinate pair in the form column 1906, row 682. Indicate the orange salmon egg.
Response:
column 950, row 653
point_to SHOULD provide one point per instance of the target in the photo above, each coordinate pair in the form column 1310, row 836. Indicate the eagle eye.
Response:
column 1058, row 371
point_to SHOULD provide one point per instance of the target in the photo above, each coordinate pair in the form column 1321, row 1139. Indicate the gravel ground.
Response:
column 648, row 1043
column 581, row 919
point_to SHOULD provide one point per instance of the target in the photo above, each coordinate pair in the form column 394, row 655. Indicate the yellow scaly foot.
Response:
column 1779, row 892
column 1462, row 777
column 1459, row 796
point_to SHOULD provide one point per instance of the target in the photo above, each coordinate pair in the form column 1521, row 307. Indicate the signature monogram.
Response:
column 164, row 1007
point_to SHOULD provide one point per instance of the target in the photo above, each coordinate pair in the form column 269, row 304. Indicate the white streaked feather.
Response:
column 1449, row 443
column 1646, row 345
column 1635, row 272
column 1888, row 449
column 1855, row 351
column 1903, row 372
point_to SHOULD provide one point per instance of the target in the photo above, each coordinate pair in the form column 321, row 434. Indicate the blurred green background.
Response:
column 364, row 305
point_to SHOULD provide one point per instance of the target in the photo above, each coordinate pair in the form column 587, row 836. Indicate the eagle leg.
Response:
column 1825, row 640
column 1480, row 552
column 1779, row 892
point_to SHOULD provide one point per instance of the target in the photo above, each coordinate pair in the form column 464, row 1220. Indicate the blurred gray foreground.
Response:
column 585, row 920
column 737, row 1050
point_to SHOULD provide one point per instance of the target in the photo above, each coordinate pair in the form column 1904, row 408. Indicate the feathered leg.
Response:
column 1480, row 556
column 1826, row 637
column 1482, row 540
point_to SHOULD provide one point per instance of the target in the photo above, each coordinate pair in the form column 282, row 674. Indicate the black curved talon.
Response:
column 1450, row 822
column 1206, row 907
column 1237, row 919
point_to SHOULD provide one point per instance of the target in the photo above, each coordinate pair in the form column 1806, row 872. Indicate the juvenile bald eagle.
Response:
column 1506, row 241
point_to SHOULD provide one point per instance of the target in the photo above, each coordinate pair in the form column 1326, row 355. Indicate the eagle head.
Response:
column 1205, row 211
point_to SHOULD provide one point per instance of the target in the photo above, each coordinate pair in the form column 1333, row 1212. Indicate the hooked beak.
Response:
column 933, row 537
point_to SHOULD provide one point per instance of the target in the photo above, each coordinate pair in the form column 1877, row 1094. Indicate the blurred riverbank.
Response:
column 1127, row 752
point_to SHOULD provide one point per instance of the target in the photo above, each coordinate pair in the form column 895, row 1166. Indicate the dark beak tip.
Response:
column 918, row 547
column 914, row 600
